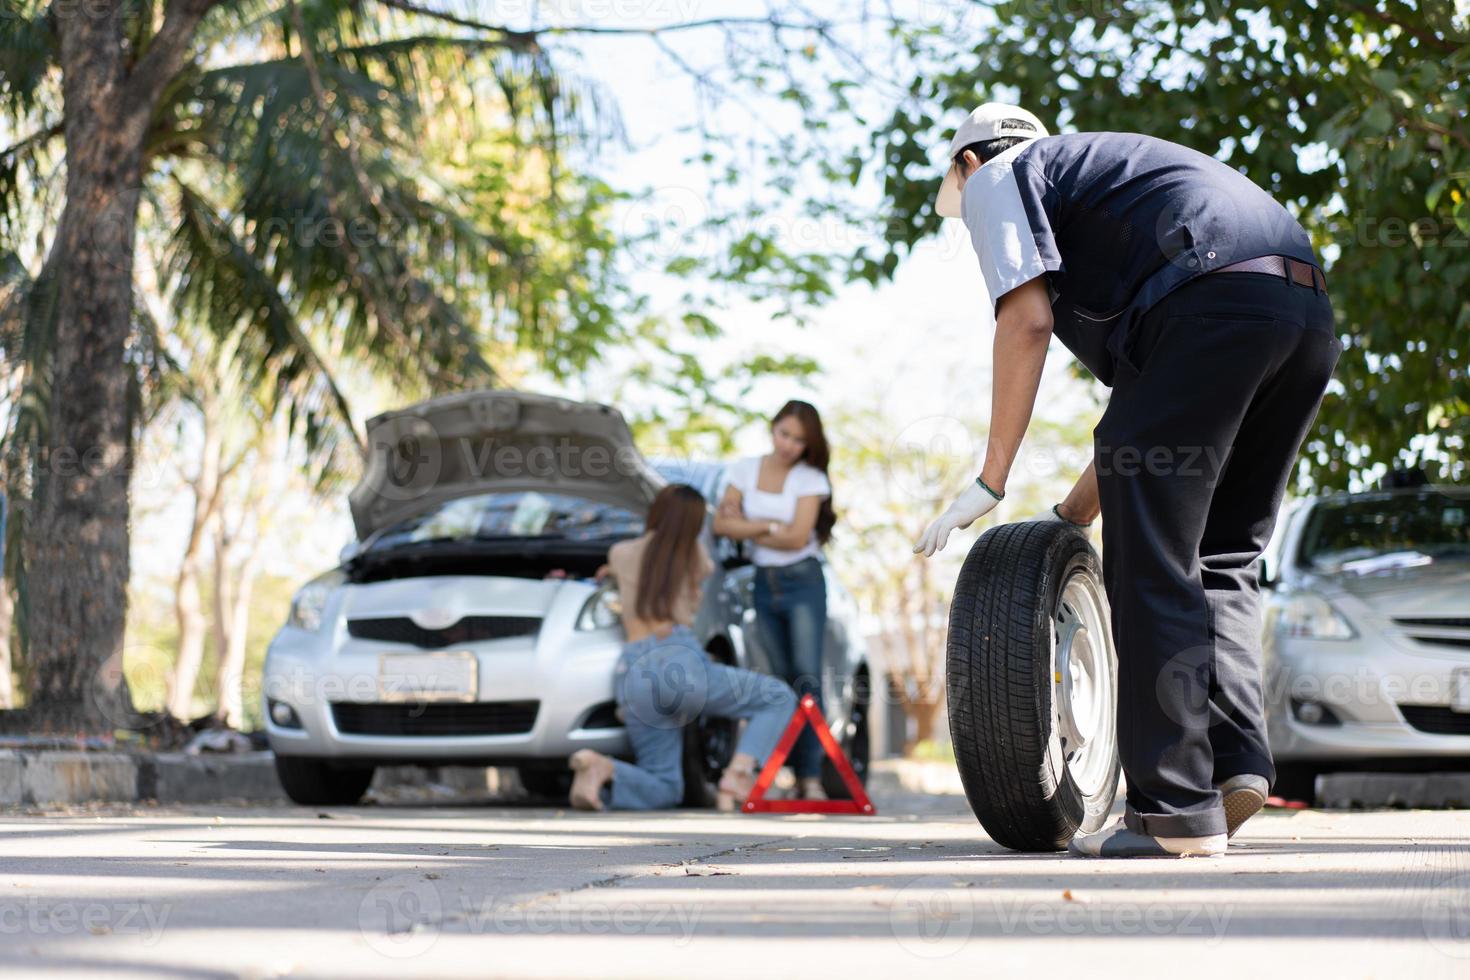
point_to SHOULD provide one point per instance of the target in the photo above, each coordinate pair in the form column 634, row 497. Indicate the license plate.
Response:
column 428, row 676
column 1460, row 689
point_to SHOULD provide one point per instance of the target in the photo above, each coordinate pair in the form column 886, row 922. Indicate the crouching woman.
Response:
column 664, row 681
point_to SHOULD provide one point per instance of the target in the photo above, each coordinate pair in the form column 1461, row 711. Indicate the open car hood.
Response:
column 478, row 441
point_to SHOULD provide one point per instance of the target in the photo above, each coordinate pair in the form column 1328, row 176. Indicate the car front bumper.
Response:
column 569, row 684
column 1372, row 686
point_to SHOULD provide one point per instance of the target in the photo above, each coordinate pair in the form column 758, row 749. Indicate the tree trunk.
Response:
column 925, row 656
column 236, row 618
column 188, row 610
column 235, row 575
column 7, row 617
column 77, row 538
column 77, row 543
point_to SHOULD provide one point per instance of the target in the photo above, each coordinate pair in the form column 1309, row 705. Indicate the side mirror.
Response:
column 1263, row 574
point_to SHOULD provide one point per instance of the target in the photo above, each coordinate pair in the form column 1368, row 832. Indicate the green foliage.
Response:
column 1353, row 114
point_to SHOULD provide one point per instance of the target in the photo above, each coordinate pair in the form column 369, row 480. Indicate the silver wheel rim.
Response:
column 1084, row 683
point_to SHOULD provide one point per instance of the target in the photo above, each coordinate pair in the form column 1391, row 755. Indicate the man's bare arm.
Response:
column 1022, row 332
column 1082, row 504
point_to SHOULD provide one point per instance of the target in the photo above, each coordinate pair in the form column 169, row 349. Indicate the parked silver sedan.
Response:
column 1367, row 634
column 465, row 625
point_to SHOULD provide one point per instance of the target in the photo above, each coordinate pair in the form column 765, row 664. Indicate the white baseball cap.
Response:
column 992, row 121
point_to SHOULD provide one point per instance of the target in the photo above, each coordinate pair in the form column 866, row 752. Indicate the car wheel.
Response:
column 552, row 784
column 1296, row 781
column 1032, row 686
column 709, row 744
column 854, row 742
column 317, row 782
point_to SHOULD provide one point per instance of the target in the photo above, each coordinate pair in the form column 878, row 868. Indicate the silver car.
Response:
column 1367, row 634
column 465, row 626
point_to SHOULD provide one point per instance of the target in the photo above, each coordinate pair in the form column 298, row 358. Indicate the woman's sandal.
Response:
column 735, row 787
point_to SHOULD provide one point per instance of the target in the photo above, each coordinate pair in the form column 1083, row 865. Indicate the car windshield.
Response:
column 514, row 515
column 1391, row 531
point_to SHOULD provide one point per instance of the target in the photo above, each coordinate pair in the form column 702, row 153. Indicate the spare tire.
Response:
column 1031, row 679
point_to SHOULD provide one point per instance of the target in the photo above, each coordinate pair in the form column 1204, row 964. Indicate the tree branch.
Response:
column 1429, row 127
column 530, row 39
column 37, row 138
column 524, row 40
column 164, row 55
column 1384, row 17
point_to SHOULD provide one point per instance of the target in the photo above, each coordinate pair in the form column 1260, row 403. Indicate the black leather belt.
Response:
column 1300, row 273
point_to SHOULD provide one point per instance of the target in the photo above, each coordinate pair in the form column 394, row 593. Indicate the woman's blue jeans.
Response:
column 791, row 614
column 664, row 684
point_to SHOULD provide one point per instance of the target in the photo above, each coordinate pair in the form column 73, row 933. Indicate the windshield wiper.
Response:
column 487, row 536
column 1385, row 562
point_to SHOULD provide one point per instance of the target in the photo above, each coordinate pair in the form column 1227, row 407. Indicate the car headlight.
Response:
column 602, row 610
column 311, row 599
column 1312, row 617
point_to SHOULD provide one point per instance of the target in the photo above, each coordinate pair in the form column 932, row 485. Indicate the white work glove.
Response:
column 1050, row 514
column 972, row 505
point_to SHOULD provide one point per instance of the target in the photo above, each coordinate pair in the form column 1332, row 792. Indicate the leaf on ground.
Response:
column 705, row 870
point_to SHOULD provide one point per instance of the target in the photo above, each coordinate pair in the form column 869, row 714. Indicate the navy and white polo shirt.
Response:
column 1115, row 221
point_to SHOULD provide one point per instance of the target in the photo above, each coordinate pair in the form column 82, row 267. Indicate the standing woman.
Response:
column 782, row 501
column 664, row 680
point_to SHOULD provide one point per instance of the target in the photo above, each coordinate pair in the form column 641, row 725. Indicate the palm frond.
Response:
column 27, row 56
column 19, row 168
column 27, row 331
column 220, row 285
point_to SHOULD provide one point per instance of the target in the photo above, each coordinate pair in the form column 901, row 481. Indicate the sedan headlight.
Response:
column 602, row 610
column 311, row 599
column 1312, row 617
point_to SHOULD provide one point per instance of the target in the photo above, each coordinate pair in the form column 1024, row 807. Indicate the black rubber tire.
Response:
column 709, row 744
column 999, row 684
column 317, row 782
column 549, row 784
column 1297, row 781
column 854, row 742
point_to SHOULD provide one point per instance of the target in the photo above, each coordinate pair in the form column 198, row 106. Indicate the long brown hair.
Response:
column 669, row 562
column 817, row 454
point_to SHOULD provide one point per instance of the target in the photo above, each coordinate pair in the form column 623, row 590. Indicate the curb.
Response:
column 46, row 777
column 59, row 777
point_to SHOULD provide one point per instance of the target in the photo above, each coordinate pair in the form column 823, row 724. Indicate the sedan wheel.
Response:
column 1032, row 686
column 315, row 782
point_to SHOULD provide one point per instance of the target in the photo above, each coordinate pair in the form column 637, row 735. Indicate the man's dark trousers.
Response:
column 1216, row 391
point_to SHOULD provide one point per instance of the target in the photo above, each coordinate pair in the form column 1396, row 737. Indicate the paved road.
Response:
column 917, row 891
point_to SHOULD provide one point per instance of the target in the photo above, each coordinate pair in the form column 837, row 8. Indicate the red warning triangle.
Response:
column 807, row 711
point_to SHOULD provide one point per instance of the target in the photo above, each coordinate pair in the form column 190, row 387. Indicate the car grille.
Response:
column 1436, row 720
column 1453, row 622
column 1448, row 631
column 440, row 718
column 470, row 629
